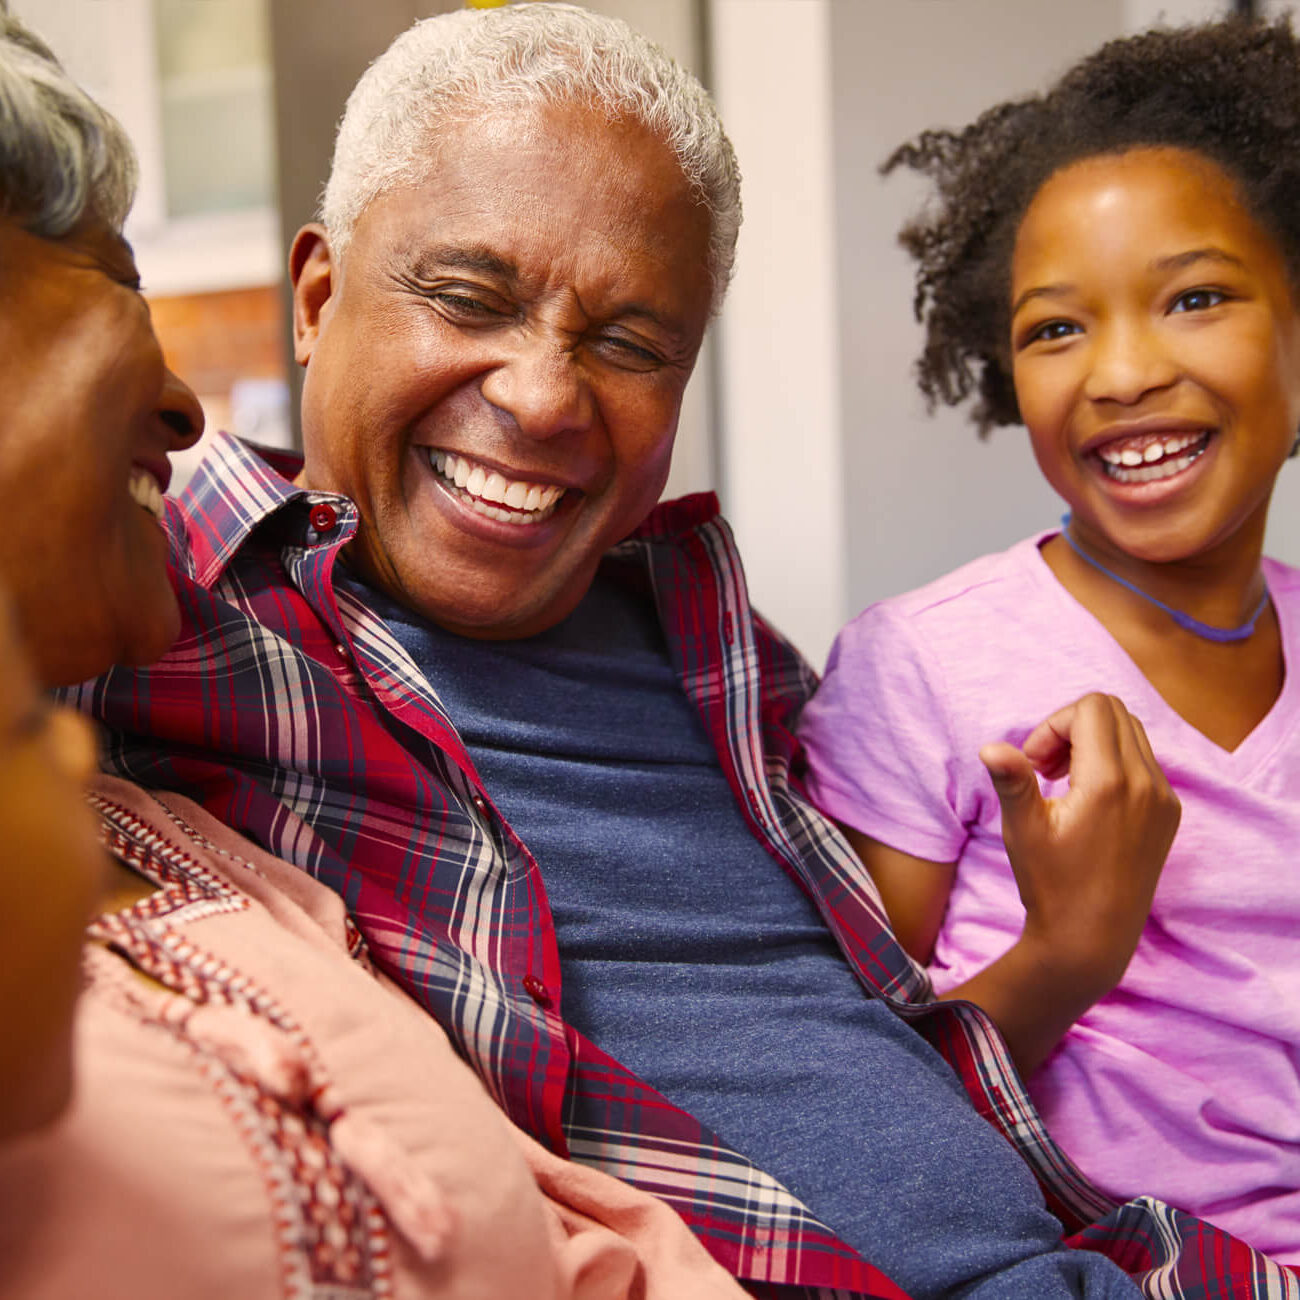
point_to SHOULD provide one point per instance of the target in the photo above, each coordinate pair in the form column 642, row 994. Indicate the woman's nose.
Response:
column 180, row 411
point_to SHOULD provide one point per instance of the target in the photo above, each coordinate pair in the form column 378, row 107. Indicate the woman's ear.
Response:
column 312, row 271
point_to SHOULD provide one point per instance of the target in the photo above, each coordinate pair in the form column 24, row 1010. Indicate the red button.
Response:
column 537, row 990
column 323, row 517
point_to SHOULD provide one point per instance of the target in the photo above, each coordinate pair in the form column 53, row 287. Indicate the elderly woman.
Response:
column 255, row 1112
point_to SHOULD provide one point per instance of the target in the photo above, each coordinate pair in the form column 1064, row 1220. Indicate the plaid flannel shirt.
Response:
column 289, row 710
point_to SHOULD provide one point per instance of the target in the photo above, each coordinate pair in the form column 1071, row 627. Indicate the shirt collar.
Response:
column 236, row 488
column 672, row 519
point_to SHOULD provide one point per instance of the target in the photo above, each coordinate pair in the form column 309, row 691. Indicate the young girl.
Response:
column 1115, row 265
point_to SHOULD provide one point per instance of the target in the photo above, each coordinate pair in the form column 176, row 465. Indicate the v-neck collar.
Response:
column 1269, row 732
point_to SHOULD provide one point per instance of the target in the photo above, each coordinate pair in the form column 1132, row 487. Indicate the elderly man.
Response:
column 457, row 666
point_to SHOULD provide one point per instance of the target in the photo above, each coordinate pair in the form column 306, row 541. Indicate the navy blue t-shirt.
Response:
column 690, row 956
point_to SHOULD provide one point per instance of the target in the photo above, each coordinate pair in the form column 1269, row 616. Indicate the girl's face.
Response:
column 1156, row 353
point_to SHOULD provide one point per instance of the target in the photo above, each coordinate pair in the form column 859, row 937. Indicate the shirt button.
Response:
column 481, row 804
column 323, row 517
column 537, row 990
column 341, row 650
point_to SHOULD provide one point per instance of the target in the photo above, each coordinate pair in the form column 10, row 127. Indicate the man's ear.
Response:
column 312, row 272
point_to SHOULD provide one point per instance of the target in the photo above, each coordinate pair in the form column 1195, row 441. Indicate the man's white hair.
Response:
column 459, row 65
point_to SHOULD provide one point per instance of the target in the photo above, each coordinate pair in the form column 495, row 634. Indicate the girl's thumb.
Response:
column 1012, row 774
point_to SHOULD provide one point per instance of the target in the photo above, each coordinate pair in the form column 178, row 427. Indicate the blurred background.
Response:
column 802, row 414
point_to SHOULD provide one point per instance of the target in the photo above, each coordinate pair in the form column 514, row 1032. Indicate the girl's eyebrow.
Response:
column 1173, row 262
column 1039, row 291
column 1176, row 261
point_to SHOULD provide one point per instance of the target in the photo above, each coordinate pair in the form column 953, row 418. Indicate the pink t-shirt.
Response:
column 1183, row 1083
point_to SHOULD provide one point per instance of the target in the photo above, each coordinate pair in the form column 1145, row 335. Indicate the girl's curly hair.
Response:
column 1228, row 90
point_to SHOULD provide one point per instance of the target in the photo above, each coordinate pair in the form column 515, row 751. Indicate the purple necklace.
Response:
column 1185, row 621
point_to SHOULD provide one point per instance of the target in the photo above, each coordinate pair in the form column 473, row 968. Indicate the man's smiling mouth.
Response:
column 491, row 494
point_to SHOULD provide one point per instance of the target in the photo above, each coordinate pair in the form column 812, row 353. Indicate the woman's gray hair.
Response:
column 62, row 157
column 459, row 65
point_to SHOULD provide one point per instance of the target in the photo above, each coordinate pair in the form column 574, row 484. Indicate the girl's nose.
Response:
column 1127, row 364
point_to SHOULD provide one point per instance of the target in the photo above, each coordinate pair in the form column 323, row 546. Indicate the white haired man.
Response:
column 459, row 667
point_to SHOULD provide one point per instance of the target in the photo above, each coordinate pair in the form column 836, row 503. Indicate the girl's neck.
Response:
column 1220, row 588
column 1222, row 689
column 1217, row 595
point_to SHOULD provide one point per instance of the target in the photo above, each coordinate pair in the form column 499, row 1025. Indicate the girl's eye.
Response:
column 1050, row 331
column 1198, row 300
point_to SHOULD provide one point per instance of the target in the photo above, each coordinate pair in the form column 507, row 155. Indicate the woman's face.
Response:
column 1156, row 354
column 90, row 413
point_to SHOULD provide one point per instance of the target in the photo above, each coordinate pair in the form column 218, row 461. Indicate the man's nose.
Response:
column 180, row 411
column 1127, row 362
column 542, row 386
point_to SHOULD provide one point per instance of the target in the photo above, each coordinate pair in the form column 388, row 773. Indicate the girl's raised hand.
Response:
column 1086, row 863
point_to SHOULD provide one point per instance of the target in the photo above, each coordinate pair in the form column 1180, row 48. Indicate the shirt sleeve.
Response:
column 881, row 753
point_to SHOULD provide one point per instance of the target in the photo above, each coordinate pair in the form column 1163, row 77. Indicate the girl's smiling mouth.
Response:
column 1149, row 457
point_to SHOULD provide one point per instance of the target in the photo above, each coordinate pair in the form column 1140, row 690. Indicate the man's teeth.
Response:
column 146, row 492
column 1143, row 460
column 492, row 494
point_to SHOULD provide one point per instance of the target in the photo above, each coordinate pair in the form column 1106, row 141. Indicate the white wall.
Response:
column 926, row 494
column 778, row 348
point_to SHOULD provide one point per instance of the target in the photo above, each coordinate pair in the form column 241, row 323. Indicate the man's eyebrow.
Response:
column 641, row 311
column 458, row 257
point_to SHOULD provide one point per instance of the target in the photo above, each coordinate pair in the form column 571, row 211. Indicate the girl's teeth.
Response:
column 1160, row 458
column 1149, row 473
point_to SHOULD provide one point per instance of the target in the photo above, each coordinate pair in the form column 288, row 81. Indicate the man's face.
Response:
column 495, row 370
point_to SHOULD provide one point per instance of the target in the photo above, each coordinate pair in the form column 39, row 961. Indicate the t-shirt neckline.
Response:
column 1256, row 747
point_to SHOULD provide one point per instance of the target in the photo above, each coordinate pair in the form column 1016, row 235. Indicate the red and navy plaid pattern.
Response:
column 291, row 713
